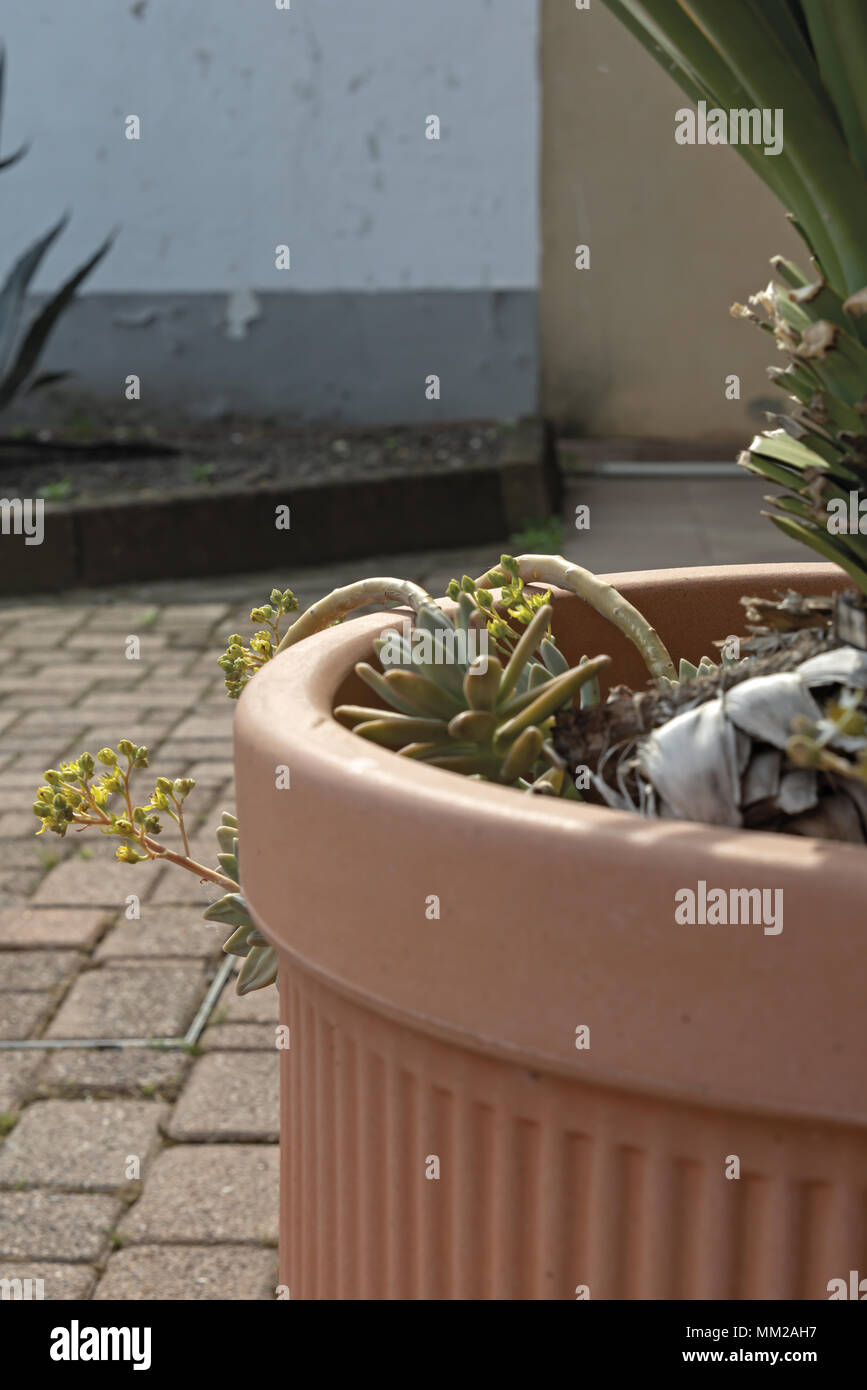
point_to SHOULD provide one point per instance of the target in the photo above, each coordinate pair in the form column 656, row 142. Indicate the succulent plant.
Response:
column 478, row 715
column 239, row 663
column 260, row 959
column 486, row 715
column 77, row 794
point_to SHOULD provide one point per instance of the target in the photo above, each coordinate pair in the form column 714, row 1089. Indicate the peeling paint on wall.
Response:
column 242, row 309
column 261, row 127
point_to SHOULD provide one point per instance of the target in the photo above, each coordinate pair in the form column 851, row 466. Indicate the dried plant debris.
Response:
column 778, row 742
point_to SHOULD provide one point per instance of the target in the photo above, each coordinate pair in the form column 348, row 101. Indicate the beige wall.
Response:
column 641, row 343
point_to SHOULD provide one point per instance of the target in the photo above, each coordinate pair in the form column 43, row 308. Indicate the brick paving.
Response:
column 77, row 962
column 81, row 959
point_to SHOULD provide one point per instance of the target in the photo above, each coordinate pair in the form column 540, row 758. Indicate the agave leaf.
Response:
column 14, row 291
column 35, row 337
column 258, row 970
column 10, row 159
column 46, row 379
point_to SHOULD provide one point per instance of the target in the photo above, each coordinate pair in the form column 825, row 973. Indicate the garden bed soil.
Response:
column 212, row 507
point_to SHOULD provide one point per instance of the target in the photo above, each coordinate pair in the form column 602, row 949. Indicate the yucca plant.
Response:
column 807, row 58
column 20, row 350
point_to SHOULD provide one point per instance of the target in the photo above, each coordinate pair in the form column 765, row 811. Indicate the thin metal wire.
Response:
column 190, row 1038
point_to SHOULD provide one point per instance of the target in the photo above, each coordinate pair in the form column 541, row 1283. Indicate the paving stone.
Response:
column 115, row 667
column 56, row 1225
column 34, row 855
column 216, row 750
column 81, row 1144
column 19, row 884
column 18, row 825
column 139, row 1002
column 19, row 787
column 208, row 1194
column 206, row 726
column 59, row 1281
column 51, row 927
column 132, row 1071
column 109, row 732
column 262, row 1006
column 164, row 931
column 229, row 1097
column 97, row 707
column 110, row 616
column 187, row 1273
column 210, row 772
column 38, row 970
column 177, row 886
column 18, row 1073
column 23, row 685
column 177, row 696
column 239, row 1037
column 101, row 882
column 23, row 1015
column 40, row 722
column 198, row 618
column 92, row 639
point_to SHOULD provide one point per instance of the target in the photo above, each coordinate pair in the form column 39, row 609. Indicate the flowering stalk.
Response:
column 601, row 596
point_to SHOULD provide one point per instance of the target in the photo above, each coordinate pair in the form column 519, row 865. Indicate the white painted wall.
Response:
column 261, row 126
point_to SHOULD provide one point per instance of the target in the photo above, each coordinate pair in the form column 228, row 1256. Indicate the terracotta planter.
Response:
column 455, row 1036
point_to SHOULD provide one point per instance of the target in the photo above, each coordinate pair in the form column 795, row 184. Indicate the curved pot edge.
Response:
column 324, row 660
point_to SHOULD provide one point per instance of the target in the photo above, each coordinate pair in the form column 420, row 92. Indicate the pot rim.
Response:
column 285, row 716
